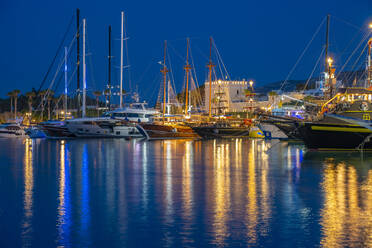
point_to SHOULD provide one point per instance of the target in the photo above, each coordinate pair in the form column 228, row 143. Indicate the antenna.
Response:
column 326, row 45
column 369, row 65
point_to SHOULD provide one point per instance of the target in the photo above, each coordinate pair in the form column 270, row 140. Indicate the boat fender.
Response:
column 363, row 106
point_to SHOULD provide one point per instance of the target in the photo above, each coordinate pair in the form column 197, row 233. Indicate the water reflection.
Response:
column 187, row 184
column 234, row 192
column 168, row 151
column 221, row 189
column 252, row 212
column 85, row 206
column 346, row 217
column 64, row 198
column 27, row 227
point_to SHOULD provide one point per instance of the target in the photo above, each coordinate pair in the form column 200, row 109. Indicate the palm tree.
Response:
column 56, row 104
column 42, row 95
column 123, row 92
column 97, row 94
column 106, row 93
column 49, row 99
column 10, row 94
column 30, row 95
column 16, row 93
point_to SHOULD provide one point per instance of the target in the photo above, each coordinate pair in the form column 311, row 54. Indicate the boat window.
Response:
column 117, row 133
column 119, row 115
column 107, row 114
column 149, row 116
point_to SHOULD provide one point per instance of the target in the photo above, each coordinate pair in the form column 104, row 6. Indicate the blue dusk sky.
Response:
column 259, row 40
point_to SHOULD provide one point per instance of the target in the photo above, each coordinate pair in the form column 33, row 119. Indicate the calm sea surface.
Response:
column 215, row 193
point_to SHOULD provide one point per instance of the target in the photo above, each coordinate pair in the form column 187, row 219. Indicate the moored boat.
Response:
column 222, row 130
column 102, row 128
column 346, row 125
column 166, row 131
column 55, row 129
column 12, row 130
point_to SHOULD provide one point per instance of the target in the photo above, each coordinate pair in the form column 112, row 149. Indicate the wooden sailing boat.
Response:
column 218, row 127
column 164, row 129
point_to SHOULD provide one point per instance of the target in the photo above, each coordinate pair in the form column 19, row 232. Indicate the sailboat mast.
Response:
column 164, row 72
column 84, row 72
column 65, row 96
column 78, row 59
column 168, row 94
column 326, row 45
column 121, row 59
column 109, row 67
column 187, row 69
column 210, row 66
column 369, row 64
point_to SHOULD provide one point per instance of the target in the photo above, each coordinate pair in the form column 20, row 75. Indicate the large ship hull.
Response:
column 290, row 129
column 323, row 136
column 159, row 131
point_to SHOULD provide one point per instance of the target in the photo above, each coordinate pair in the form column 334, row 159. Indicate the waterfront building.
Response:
column 227, row 96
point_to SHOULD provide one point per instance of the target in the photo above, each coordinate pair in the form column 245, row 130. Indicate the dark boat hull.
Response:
column 221, row 132
column 290, row 129
column 158, row 131
column 323, row 136
column 56, row 132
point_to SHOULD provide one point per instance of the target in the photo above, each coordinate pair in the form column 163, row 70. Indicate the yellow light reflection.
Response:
column 62, row 182
column 346, row 216
column 63, row 198
column 221, row 163
column 28, row 191
column 187, row 184
column 252, row 211
column 265, row 197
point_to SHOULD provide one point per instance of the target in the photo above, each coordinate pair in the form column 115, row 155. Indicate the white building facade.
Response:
column 229, row 96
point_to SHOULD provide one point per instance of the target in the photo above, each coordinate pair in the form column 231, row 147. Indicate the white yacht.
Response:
column 117, row 123
column 137, row 112
column 12, row 130
column 102, row 127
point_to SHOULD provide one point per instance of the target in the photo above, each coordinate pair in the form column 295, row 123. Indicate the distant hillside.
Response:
column 290, row 85
column 348, row 78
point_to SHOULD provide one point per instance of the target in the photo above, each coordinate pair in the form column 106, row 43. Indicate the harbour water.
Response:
column 182, row 193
